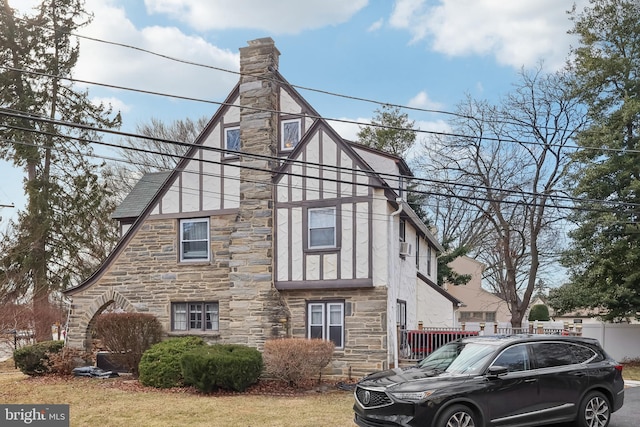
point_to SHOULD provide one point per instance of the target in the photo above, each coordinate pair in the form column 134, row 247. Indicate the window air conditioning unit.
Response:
column 405, row 248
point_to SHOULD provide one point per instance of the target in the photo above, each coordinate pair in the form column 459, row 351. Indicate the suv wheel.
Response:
column 594, row 411
column 458, row 416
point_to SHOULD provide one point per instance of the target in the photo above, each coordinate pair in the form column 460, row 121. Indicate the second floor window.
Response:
column 194, row 239
column 322, row 228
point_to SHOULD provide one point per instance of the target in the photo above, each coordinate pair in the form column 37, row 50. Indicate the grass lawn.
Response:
column 123, row 402
column 104, row 402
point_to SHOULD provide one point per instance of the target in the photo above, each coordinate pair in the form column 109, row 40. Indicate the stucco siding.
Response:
column 433, row 309
column 287, row 104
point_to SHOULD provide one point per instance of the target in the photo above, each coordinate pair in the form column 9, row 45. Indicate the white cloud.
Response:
column 116, row 103
column 281, row 17
column 346, row 128
column 376, row 25
column 421, row 100
column 440, row 126
column 516, row 33
column 122, row 66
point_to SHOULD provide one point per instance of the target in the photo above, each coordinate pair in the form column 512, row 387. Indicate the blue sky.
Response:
column 420, row 53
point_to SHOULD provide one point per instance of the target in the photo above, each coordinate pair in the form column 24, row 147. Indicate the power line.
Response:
column 318, row 117
column 316, row 165
column 326, row 92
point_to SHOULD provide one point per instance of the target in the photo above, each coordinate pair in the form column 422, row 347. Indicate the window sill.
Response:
column 192, row 263
column 211, row 334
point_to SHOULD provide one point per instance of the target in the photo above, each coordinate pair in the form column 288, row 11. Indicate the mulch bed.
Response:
column 262, row 387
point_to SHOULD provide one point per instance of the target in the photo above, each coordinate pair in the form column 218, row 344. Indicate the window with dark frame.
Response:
column 322, row 228
column 195, row 316
column 290, row 133
column 232, row 140
column 418, row 252
column 401, row 314
column 194, row 240
column 429, row 260
column 325, row 320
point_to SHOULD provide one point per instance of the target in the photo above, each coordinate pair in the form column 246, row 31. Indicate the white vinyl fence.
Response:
column 620, row 340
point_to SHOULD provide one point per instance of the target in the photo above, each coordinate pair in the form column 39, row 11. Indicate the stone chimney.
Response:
column 253, row 295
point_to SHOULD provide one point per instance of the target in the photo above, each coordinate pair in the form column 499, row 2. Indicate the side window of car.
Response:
column 583, row 354
column 514, row 358
column 549, row 354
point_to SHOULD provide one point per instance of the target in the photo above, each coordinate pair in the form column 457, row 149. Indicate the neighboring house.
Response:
column 479, row 305
column 272, row 226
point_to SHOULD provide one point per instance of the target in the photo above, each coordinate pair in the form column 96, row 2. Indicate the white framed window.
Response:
column 194, row 240
column 195, row 316
column 326, row 321
column 290, row 133
column 402, row 230
column 232, row 140
column 322, row 228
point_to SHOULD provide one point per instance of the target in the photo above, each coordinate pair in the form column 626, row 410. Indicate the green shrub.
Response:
column 160, row 365
column 539, row 312
column 228, row 366
column 127, row 336
column 34, row 359
column 296, row 359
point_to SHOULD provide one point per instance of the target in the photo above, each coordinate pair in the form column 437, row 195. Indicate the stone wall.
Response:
column 254, row 301
column 147, row 277
column 365, row 328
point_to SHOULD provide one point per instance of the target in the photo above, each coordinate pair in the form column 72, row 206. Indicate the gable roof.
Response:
column 141, row 195
column 148, row 191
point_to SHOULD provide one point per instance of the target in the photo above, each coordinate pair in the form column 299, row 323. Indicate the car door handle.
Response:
column 530, row 380
column 578, row 374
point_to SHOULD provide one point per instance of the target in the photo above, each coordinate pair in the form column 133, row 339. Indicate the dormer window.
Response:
column 232, row 140
column 289, row 134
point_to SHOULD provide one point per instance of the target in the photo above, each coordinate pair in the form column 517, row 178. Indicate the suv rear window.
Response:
column 584, row 354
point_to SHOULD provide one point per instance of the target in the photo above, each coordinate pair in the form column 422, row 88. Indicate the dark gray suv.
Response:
column 517, row 380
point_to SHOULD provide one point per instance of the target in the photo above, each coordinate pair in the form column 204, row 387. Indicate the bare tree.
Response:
column 159, row 148
column 502, row 169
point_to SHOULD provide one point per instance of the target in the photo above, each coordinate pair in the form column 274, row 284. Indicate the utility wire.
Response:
column 262, row 157
column 317, row 117
column 197, row 64
column 552, row 197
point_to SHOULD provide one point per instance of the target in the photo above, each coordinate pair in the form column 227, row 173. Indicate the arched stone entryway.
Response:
column 85, row 312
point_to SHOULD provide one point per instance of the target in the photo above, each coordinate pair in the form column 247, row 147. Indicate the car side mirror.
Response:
column 496, row 371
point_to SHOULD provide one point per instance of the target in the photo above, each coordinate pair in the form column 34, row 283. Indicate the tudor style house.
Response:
column 271, row 226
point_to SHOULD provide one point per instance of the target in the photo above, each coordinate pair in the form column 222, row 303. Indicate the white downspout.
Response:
column 391, row 274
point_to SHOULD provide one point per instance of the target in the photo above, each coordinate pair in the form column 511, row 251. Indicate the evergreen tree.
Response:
column 604, row 256
column 64, row 231
column 390, row 131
